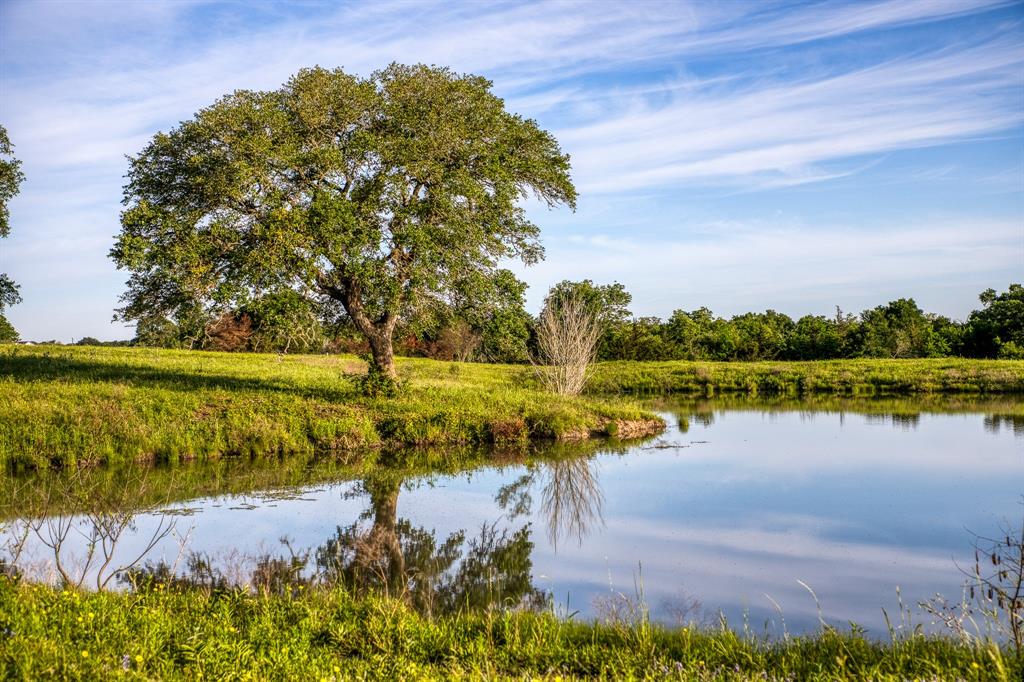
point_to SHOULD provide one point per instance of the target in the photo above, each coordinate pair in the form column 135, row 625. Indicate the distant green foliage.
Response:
column 898, row 329
column 11, row 178
column 493, row 326
column 609, row 302
column 997, row 330
column 490, row 326
column 8, row 334
column 284, row 321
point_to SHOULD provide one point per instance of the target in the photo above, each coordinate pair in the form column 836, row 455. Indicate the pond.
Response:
column 740, row 508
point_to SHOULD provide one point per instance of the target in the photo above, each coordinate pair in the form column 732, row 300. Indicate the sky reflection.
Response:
column 733, row 511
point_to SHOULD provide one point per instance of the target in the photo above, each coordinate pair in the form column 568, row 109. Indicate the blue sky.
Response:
column 742, row 156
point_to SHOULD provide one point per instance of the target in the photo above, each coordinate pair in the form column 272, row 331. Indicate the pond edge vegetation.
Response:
column 163, row 633
column 64, row 406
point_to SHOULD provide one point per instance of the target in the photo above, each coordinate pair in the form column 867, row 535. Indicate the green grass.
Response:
column 47, row 633
column 842, row 377
column 68, row 405
column 64, row 405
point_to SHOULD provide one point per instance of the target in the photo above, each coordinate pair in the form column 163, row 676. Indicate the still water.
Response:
column 727, row 512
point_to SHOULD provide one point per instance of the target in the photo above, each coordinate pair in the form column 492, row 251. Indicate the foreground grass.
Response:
column 72, row 405
column 46, row 633
column 68, row 405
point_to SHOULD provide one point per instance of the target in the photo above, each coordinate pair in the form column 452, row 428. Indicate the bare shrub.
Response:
column 567, row 336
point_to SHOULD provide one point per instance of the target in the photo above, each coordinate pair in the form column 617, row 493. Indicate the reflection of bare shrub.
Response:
column 571, row 499
column 102, row 532
column 567, row 336
column 15, row 537
column 110, row 515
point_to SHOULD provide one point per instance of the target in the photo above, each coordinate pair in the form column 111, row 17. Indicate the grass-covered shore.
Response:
column 48, row 633
column 66, row 405
column 867, row 377
column 72, row 405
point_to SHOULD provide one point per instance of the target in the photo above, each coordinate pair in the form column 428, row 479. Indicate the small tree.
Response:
column 997, row 330
column 382, row 193
column 11, row 178
column 567, row 336
column 8, row 334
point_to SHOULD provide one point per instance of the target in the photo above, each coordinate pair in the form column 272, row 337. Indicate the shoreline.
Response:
column 66, row 406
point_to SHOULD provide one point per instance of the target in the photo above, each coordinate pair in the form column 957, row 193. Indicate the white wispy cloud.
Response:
column 799, row 269
column 621, row 85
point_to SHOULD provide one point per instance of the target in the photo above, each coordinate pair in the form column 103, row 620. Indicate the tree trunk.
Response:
column 377, row 333
column 382, row 350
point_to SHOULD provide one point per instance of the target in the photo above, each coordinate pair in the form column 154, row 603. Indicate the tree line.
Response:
column 504, row 332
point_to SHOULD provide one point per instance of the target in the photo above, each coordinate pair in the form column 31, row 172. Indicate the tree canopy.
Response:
column 384, row 194
column 997, row 330
column 11, row 178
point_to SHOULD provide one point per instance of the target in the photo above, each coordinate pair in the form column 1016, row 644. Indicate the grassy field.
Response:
column 67, row 405
column 46, row 633
column 841, row 377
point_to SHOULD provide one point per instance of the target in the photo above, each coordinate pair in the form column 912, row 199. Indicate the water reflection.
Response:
column 728, row 509
column 1011, row 422
column 571, row 499
column 396, row 558
column 85, row 548
column 903, row 412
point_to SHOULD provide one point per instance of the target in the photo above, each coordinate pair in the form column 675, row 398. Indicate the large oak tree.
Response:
column 384, row 194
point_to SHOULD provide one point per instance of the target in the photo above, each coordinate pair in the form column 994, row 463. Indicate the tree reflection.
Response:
column 85, row 547
column 394, row 558
column 571, row 498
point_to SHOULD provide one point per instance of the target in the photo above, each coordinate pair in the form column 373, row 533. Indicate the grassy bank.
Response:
column 67, row 405
column 135, row 487
column 325, row 634
column 842, row 377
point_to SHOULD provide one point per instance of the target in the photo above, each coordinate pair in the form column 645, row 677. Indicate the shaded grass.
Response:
column 326, row 634
column 67, row 405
